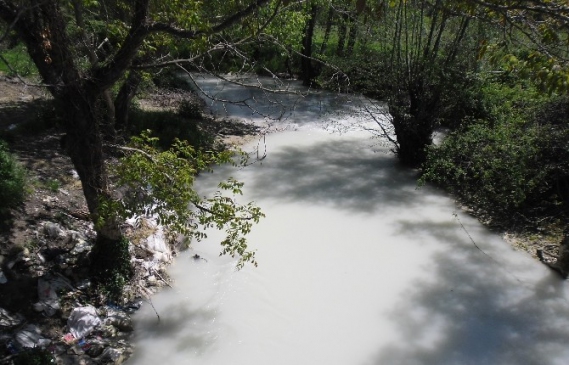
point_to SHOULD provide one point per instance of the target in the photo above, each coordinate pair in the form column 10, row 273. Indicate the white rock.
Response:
column 53, row 230
column 152, row 280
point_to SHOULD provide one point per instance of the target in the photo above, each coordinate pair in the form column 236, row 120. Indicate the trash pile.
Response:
column 96, row 336
column 63, row 322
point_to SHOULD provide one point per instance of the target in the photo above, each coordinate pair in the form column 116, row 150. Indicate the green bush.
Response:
column 111, row 267
column 19, row 61
column 514, row 165
column 168, row 126
column 12, row 180
column 34, row 356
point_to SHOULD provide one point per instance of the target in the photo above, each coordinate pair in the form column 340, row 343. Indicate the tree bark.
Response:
column 562, row 264
column 123, row 99
column 82, row 111
column 306, row 60
column 342, row 30
column 414, row 113
column 328, row 30
column 352, row 35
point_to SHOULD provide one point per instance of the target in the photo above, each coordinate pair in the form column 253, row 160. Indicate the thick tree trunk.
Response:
column 83, row 111
column 413, row 137
column 83, row 105
column 414, row 114
column 563, row 259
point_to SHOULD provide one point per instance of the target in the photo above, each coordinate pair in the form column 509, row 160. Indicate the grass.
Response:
column 53, row 185
column 17, row 61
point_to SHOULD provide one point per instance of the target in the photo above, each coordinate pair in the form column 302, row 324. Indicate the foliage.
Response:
column 111, row 267
column 532, row 40
column 53, row 185
column 16, row 61
column 159, row 184
column 12, row 180
column 365, row 72
column 515, row 165
column 169, row 126
column 34, row 356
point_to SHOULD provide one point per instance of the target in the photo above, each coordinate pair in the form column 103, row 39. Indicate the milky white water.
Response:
column 356, row 267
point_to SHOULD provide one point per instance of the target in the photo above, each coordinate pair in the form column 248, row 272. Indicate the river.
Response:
column 356, row 265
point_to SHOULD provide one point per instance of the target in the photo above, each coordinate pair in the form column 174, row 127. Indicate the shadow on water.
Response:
column 468, row 312
column 339, row 173
column 180, row 324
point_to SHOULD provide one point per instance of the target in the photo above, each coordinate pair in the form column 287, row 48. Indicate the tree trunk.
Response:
column 83, row 112
column 83, row 105
column 414, row 114
column 123, row 99
column 306, row 59
column 561, row 264
column 563, row 260
column 413, row 137
column 328, row 30
column 342, row 30
column 352, row 35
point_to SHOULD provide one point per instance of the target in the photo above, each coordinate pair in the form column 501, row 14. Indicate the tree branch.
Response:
column 105, row 76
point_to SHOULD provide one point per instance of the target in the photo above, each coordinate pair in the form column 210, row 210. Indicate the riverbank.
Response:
column 47, row 302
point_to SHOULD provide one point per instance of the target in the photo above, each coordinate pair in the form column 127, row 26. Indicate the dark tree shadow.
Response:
column 178, row 323
column 475, row 313
column 342, row 173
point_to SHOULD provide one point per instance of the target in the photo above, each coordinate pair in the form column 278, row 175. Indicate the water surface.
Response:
column 356, row 267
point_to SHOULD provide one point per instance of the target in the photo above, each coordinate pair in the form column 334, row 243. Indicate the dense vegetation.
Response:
column 12, row 181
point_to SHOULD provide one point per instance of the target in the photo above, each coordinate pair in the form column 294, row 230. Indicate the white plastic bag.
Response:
column 82, row 321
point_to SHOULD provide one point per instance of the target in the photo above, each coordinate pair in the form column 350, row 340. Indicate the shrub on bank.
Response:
column 12, row 180
column 513, row 166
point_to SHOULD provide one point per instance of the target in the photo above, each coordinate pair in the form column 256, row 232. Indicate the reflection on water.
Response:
column 357, row 266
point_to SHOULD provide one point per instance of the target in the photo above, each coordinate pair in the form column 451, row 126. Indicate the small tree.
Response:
column 425, row 47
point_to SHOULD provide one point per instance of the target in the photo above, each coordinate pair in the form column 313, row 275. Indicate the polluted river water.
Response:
column 356, row 265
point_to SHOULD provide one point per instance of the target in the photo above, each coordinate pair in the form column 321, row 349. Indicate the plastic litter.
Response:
column 84, row 345
column 81, row 246
column 30, row 337
column 48, row 299
column 8, row 320
column 53, row 230
column 82, row 321
column 48, row 286
column 68, row 339
column 112, row 354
